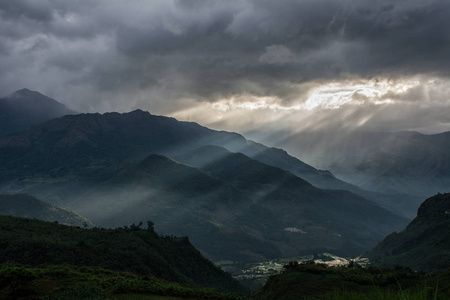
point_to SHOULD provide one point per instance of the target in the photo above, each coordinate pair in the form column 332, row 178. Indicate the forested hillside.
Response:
column 132, row 249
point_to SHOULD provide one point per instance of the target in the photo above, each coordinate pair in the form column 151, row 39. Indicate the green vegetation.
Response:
column 23, row 205
column 133, row 249
column 65, row 282
column 424, row 245
column 317, row 281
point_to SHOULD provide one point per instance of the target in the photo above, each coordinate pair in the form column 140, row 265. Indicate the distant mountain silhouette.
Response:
column 24, row 108
column 424, row 245
column 397, row 163
column 408, row 165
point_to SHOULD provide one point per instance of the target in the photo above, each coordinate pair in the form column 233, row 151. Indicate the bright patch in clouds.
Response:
column 376, row 104
column 247, row 102
column 336, row 94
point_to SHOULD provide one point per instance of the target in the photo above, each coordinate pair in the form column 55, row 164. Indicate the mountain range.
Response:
column 236, row 199
column 238, row 209
column 156, row 134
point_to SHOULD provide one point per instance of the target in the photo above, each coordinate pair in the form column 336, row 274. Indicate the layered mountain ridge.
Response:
column 116, row 169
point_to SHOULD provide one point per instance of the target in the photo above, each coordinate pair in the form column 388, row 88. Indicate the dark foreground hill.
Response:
column 24, row 108
column 424, row 245
column 312, row 281
column 75, row 283
column 133, row 249
column 23, row 205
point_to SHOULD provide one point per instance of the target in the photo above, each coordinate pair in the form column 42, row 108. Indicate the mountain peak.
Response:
column 26, row 93
column 23, row 98
column 139, row 112
column 25, row 108
column 435, row 207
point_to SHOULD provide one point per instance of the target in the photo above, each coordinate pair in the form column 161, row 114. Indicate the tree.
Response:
column 150, row 225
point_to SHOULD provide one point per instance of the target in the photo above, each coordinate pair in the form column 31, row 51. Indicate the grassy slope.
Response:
column 321, row 282
column 71, row 282
column 140, row 251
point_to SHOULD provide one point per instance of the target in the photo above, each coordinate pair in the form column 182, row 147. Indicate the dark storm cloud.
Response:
column 205, row 50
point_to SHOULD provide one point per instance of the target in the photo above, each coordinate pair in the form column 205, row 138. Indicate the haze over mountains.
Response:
column 397, row 163
column 236, row 200
column 260, row 131
column 103, row 166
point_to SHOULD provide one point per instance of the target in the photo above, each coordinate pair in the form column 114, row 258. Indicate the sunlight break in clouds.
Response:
column 334, row 95
column 347, row 104
column 237, row 65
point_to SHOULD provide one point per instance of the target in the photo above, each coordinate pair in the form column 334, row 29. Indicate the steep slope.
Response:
column 424, row 244
column 24, row 108
column 35, row 242
column 22, row 205
column 239, row 209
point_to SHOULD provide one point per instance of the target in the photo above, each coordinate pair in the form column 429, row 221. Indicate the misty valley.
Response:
column 123, row 205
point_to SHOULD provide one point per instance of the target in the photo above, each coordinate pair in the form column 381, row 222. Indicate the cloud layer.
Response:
column 236, row 64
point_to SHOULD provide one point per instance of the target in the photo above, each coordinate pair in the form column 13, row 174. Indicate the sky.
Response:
column 237, row 65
